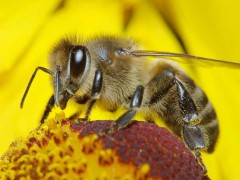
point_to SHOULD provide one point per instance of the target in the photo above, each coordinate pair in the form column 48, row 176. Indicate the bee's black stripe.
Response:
column 208, row 114
column 200, row 98
column 157, row 96
column 161, row 84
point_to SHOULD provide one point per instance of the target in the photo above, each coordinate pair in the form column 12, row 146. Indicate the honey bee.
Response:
column 114, row 72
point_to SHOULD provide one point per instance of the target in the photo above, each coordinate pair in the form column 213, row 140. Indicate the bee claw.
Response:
column 200, row 162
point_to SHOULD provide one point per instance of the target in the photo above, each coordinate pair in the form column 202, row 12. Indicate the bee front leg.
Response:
column 48, row 109
column 96, row 90
column 126, row 118
column 191, row 132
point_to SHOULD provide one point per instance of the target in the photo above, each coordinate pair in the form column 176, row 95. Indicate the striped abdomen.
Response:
column 163, row 98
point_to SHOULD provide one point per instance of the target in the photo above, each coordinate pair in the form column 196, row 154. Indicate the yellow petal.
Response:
column 20, row 23
column 147, row 26
column 37, row 26
column 211, row 29
column 42, row 24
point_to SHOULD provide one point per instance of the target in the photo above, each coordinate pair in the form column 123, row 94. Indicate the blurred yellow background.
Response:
column 208, row 28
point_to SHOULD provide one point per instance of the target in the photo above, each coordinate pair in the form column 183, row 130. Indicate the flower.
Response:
column 72, row 150
column 206, row 28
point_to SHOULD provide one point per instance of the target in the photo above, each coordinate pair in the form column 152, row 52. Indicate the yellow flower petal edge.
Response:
column 147, row 25
column 79, row 17
column 65, row 149
column 211, row 29
column 20, row 23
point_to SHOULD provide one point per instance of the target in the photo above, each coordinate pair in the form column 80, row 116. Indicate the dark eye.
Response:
column 78, row 58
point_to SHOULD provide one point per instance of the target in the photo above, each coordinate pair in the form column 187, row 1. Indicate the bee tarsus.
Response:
column 50, row 105
column 200, row 162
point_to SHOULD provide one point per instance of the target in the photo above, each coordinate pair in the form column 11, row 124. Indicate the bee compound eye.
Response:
column 78, row 57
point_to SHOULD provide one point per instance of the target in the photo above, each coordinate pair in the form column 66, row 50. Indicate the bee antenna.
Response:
column 31, row 80
column 57, row 86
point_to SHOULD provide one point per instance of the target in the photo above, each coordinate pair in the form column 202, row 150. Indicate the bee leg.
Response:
column 191, row 132
column 82, row 100
column 48, row 109
column 126, row 118
column 193, row 137
column 96, row 89
column 89, row 108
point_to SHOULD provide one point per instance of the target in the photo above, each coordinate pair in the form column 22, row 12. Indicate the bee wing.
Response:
column 183, row 58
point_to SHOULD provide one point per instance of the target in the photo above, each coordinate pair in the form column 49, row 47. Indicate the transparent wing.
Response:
column 183, row 58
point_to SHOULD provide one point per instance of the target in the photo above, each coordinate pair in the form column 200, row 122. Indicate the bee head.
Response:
column 71, row 67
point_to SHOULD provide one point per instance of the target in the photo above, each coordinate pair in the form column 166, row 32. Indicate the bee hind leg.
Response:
column 192, row 134
column 193, row 138
column 126, row 118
